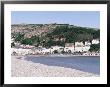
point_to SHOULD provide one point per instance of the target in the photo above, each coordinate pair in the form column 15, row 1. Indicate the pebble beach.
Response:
column 33, row 66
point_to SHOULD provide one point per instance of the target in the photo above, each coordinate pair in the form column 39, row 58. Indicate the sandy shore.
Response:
column 23, row 68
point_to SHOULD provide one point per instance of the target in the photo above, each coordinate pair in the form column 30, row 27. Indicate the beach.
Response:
column 54, row 66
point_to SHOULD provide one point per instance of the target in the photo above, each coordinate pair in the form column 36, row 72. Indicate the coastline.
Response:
column 26, row 68
column 63, row 55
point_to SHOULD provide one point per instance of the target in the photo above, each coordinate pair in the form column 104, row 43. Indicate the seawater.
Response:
column 89, row 64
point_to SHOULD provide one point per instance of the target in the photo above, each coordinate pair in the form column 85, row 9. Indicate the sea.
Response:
column 89, row 64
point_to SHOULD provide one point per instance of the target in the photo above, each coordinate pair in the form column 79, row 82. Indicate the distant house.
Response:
column 80, row 47
column 69, row 44
column 87, row 43
column 77, row 47
column 56, row 49
column 69, row 47
column 95, row 41
column 86, row 48
column 79, row 44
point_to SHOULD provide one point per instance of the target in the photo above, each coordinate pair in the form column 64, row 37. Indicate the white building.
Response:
column 78, row 49
column 87, row 43
column 79, row 44
column 69, row 49
column 95, row 41
column 56, row 48
column 86, row 48
column 82, row 48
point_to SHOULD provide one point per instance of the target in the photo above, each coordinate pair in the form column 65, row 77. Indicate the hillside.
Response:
column 32, row 29
column 52, row 34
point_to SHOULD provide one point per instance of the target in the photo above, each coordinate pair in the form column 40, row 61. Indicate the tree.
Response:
column 34, row 40
column 50, row 43
column 74, row 33
column 70, row 33
column 94, row 48
column 19, row 37
column 27, row 41
column 60, row 43
column 96, row 34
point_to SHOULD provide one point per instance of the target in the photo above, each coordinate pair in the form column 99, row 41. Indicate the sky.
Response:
column 78, row 18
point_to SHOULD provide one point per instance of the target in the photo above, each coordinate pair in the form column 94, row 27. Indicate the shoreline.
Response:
column 39, row 67
column 60, row 55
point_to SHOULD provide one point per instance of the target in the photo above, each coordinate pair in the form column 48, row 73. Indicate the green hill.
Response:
column 59, row 35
